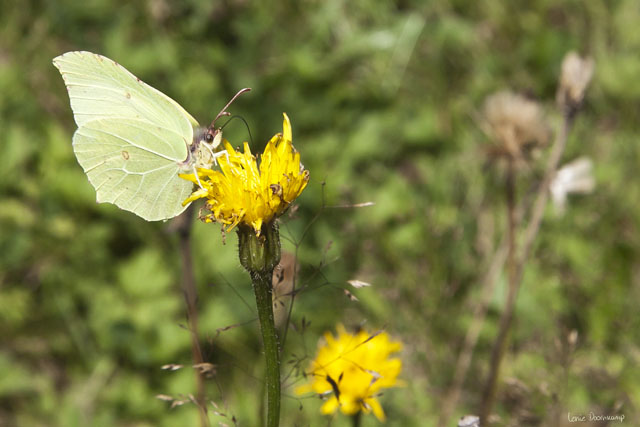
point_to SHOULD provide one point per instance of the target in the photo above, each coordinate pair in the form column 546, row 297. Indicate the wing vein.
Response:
column 134, row 144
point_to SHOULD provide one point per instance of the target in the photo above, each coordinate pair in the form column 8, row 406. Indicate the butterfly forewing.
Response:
column 101, row 88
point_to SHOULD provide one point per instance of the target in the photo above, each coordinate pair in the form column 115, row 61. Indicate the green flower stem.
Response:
column 259, row 256
column 355, row 419
column 262, row 289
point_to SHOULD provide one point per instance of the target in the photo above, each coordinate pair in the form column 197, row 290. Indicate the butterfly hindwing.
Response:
column 123, row 169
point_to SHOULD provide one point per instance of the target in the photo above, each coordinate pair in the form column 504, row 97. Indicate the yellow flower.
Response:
column 353, row 368
column 242, row 192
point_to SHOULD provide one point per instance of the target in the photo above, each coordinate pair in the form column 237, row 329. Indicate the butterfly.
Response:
column 132, row 140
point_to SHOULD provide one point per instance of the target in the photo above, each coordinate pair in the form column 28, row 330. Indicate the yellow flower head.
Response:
column 243, row 191
column 353, row 368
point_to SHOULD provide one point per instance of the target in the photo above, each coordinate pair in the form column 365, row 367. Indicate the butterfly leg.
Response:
column 215, row 155
column 220, row 154
column 195, row 173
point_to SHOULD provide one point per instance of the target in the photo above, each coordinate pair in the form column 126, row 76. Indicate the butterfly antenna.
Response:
column 245, row 123
column 224, row 111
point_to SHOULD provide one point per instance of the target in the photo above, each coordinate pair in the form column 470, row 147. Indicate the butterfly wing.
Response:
column 101, row 88
column 131, row 165
column 131, row 138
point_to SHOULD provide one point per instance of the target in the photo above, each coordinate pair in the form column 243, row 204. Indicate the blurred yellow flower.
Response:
column 243, row 192
column 353, row 368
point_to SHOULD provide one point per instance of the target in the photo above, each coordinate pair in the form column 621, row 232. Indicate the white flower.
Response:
column 574, row 177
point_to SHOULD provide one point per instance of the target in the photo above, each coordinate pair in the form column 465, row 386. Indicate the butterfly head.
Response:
column 210, row 137
column 202, row 149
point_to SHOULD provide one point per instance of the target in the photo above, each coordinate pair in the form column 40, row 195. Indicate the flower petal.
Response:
column 287, row 135
column 330, row 406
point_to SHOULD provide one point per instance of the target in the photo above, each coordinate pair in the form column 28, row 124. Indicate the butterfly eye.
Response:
column 208, row 137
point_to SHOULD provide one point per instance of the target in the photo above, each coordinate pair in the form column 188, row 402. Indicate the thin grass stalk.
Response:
column 471, row 338
column 191, row 297
column 506, row 319
column 530, row 234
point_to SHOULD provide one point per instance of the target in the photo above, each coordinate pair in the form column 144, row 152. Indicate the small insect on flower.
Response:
column 245, row 191
column 353, row 369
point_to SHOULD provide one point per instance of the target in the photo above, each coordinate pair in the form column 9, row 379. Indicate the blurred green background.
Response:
column 383, row 98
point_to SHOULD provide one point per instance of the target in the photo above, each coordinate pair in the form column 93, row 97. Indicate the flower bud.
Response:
column 259, row 253
column 574, row 78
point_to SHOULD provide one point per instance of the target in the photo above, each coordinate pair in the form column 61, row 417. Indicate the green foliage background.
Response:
column 382, row 96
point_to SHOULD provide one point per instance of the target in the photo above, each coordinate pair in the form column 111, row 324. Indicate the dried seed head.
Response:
column 574, row 78
column 516, row 125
